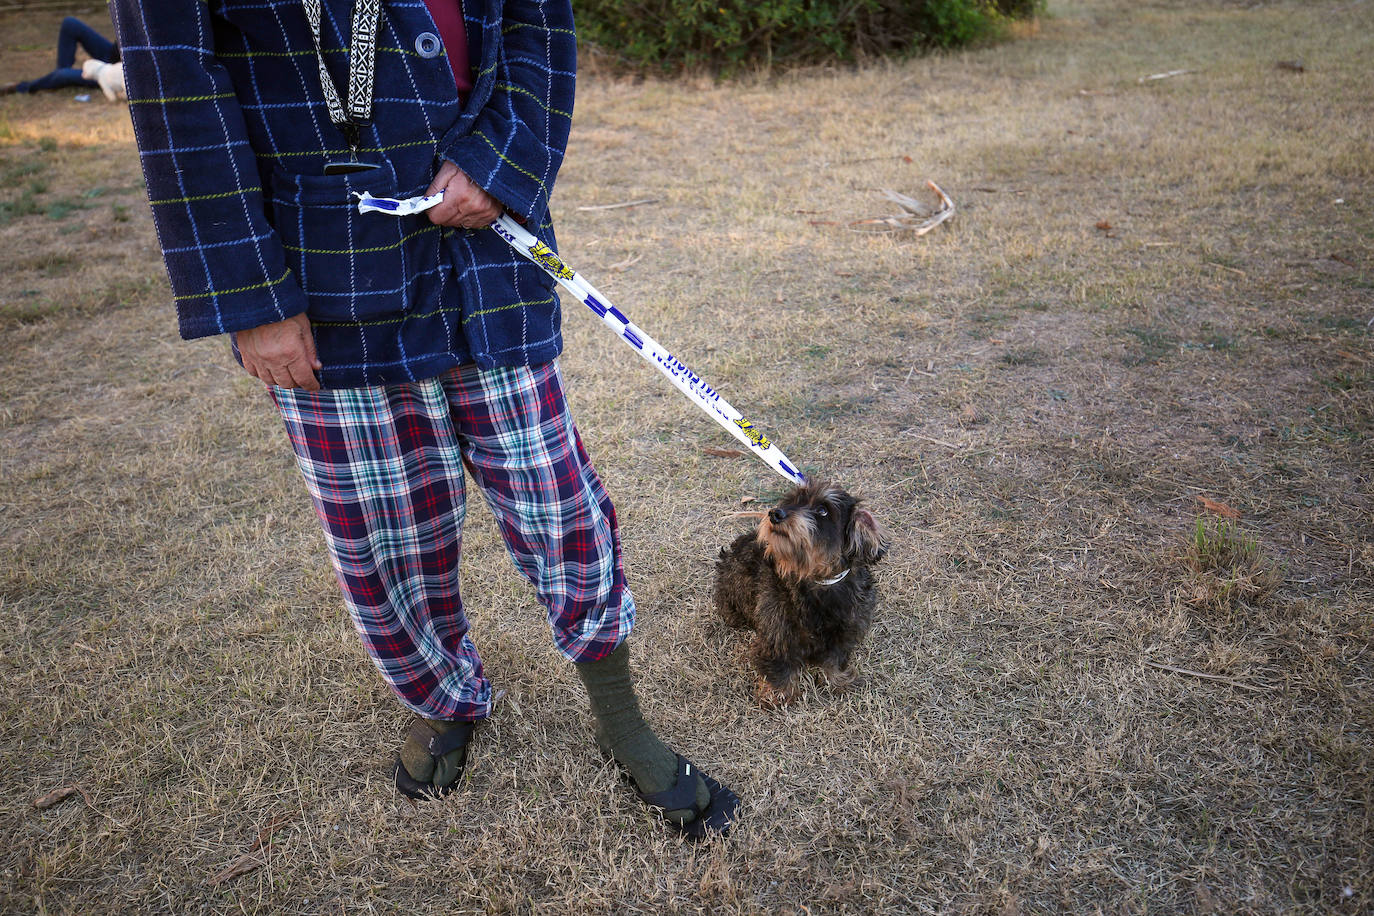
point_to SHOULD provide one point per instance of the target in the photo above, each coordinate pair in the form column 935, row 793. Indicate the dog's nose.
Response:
column 777, row 516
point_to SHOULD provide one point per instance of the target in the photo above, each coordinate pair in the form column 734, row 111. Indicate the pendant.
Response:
column 348, row 166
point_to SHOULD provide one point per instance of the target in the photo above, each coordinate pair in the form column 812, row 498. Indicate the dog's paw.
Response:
column 841, row 678
column 771, row 697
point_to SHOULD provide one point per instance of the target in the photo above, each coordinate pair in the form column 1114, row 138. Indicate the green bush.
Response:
column 730, row 34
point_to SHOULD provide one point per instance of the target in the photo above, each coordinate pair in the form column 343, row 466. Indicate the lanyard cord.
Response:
column 362, row 67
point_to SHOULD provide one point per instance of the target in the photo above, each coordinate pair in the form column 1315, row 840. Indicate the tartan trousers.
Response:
column 384, row 467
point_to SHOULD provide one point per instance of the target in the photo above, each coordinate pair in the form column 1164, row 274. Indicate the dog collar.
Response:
column 833, row 579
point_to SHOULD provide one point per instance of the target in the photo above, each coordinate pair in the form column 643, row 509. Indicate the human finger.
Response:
column 445, row 212
column 459, row 202
column 302, row 375
column 250, row 366
column 307, row 352
column 442, row 177
column 448, row 179
column 281, row 377
column 481, row 209
column 311, row 356
column 491, row 211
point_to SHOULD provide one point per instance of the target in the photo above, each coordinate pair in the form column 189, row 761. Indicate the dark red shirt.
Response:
column 448, row 20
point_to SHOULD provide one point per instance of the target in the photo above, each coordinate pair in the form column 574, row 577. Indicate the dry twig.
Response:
column 622, row 205
column 932, row 439
column 1168, row 74
column 626, row 264
column 918, row 218
column 1206, row 677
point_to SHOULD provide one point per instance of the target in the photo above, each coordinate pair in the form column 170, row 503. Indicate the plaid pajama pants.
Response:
column 384, row 467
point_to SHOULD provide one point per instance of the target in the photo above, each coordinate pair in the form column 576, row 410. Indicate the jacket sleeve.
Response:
column 227, row 266
column 517, row 141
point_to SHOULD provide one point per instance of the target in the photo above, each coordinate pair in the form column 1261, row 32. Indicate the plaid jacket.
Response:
column 234, row 133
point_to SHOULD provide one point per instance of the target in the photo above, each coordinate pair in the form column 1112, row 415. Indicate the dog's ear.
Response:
column 866, row 541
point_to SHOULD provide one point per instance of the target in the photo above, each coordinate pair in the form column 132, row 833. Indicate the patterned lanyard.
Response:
column 362, row 68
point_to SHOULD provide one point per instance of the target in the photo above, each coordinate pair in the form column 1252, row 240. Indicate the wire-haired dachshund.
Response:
column 801, row 582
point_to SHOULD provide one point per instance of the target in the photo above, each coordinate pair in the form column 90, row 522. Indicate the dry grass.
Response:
column 1033, row 404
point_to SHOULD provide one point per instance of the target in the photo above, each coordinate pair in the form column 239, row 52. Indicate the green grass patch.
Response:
column 1228, row 568
column 24, row 205
column 1024, row 356
column 1151, row 345
column 64, row 207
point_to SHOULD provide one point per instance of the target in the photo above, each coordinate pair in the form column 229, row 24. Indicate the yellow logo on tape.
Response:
column 752, row 434
column 550, row 261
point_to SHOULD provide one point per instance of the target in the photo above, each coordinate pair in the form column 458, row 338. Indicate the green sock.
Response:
column 622, row 731
column 419, row 762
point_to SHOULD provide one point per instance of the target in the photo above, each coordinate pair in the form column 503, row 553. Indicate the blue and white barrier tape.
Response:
column 687, row 381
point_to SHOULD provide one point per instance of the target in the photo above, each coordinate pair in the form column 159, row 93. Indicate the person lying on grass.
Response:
column 400, row 352
column 101, row 71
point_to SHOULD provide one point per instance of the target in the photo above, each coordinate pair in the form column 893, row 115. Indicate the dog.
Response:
column 109, row 76
column 802, row 583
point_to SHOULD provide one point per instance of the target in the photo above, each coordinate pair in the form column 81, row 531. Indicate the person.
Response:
column 71, row 34
column 400, row 351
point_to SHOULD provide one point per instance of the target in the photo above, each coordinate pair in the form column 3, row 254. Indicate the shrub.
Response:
column 729, row 34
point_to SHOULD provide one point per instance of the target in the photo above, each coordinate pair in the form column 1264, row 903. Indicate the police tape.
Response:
column 683, row 378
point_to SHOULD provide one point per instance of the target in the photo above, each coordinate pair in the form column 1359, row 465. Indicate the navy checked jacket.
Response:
column 233, row 133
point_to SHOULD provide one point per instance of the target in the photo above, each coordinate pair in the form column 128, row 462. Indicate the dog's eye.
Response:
column 822, row 511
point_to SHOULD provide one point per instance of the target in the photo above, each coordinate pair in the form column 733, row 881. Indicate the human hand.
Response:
column 281, row 353
column 465, row 205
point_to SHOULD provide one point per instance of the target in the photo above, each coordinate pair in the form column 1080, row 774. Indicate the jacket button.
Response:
column 427, row 45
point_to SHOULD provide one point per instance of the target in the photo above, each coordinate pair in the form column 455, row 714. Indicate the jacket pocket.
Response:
column 354, row 267
column 511, row 312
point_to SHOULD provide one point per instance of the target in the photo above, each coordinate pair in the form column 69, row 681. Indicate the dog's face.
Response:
column 818, row 531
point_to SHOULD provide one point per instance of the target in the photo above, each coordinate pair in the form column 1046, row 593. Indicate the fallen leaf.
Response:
column 53, row 797
column 1218, row 508
column 839, row 892
column 723, row 452
column 1104, row 225
column 744, row 501
column 238, row 868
